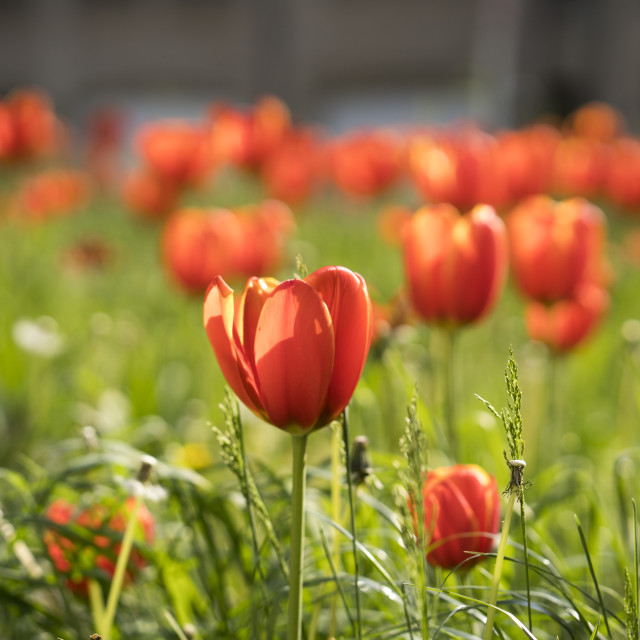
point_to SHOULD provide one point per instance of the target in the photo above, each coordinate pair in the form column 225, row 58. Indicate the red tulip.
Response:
column 292, row 351
column 554, row 246
column 365, row 163
column 457, row 168
column 596, row 121
column 579, row 167
column 199, row 244
column 455, row 265
column 51, row 194
column 102, row 521
column 149, row 196
column 36, row 130
column 177, row 152
column 461, row 514
column 247, row 138
column 567, row 323
column 622, row 177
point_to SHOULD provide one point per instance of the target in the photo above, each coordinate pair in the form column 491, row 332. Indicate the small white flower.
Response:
column 40, row 337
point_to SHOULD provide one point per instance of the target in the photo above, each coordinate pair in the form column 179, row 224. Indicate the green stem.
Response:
column 96, row 604
column 526, row 561
column 497, row 572
column 121, row 567
column 336, row 508
column 352, row 511
column 449, row 390
column 298, row 479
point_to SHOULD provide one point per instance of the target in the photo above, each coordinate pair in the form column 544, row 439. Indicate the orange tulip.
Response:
column 36, row 130
column 364, row 164
column 455, row 265
column 247, row 138
column 149, row 196
column 51, row 194
column 199, row 244
column 579, row 167
column 457, row 168
column 567, row 323
column 461, row 514
column 622, row 176
column 596, row 121
column 555, row 246
column 177, row 152
column 294, row 169
column 292, row 351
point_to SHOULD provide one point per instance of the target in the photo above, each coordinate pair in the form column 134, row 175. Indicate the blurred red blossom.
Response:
column 568, row 323
column 365, row 163
column 50, row 194
column 100, row 526
column 455, row 265
column 245, row 138
column 555, row 246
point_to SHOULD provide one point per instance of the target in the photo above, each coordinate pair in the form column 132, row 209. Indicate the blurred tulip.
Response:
column 247, row 138
column 148, row 196
column 294, row 169
column 51, row 194
column 579, row 166
column 178, row 152
column 98, row 522
column 524, row 160
column 35, row 129
column 266, row 227
column 555, row 246
column 461, row 514
column 567, row 323
column 596, row 121
column 364, row 164
column 199, row 244
column 622, row 175
column 455, row 265
column 292, row 351
column 459, row 169
column 391, row 223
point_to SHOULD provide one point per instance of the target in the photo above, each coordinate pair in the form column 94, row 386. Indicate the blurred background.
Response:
column 339, row 63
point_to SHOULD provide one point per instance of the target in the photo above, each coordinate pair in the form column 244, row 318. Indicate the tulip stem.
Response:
column 449, row 390
column 120, row 570
column 497, row 572
column 298, row 479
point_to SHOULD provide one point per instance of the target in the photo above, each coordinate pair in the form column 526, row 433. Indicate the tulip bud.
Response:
column 461, row 514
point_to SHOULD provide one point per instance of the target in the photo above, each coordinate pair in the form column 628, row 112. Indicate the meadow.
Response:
column 104, row 360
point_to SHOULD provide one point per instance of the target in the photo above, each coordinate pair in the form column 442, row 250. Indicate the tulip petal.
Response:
column 294, row 353
column 426, row 247
column 218, row 322
column 345, row 295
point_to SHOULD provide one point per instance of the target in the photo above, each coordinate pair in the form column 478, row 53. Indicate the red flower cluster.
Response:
column 29, row 128
column 461, row 514
column 100, row 524
column 292, row 351
column 557, row 252
column 199, row 244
